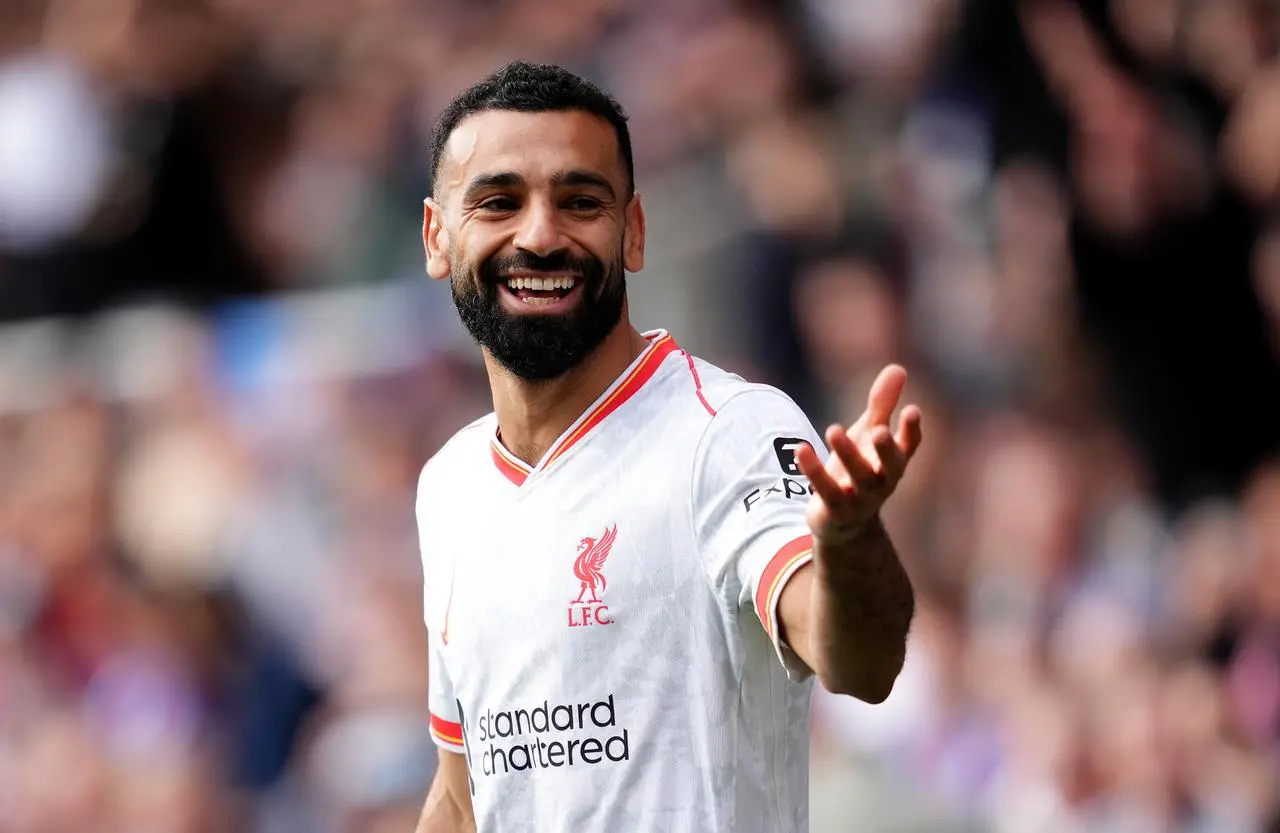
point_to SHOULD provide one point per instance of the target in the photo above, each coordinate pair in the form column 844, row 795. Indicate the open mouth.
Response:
column 540, row 291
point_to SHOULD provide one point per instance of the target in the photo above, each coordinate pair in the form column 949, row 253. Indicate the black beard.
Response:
column 540, row 347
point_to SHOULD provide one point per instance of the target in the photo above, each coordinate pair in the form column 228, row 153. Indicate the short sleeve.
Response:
column 749, row 501
column 437, row 595
column 446, row 721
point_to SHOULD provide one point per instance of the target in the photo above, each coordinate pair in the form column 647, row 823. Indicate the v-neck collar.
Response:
column 661, row 345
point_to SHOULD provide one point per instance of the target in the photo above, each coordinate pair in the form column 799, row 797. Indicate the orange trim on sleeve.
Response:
column 771, row 580
column 446, row 730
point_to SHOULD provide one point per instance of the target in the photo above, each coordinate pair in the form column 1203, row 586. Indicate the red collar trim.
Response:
column 661, row 345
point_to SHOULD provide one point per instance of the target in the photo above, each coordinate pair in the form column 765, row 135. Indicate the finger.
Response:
column 860, row 470
column 807, row 461
column 884, row 395
column 824, row 485
column 910, row 431
column 892, row 460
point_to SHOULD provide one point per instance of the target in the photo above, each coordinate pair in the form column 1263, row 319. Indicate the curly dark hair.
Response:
column 533, row 88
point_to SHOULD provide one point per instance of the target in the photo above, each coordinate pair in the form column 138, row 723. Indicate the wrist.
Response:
column 868, row 530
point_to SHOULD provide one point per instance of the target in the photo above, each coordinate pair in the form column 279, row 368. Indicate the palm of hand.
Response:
column 866, row 463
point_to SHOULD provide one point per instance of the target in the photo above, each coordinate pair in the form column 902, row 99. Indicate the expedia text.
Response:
column 787, row 489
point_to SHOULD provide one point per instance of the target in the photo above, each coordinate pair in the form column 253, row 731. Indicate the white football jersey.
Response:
column 603, row 626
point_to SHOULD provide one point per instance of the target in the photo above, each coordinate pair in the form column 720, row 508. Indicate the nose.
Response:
column 539, row 231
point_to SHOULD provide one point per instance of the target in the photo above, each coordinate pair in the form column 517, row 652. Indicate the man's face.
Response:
column 532, row 225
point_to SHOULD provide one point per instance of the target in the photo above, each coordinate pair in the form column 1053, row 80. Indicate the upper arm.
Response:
column 749, row 502
column 448, row 806
column 794, row 619
column 437, row 601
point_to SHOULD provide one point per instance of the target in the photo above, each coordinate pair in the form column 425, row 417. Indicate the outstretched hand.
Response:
column 867, row 461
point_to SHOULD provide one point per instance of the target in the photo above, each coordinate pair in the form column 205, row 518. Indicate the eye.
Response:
column 582, row 203
column 499, row 204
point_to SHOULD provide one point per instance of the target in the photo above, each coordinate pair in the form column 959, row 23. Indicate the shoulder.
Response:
column 743, row 425
column 732, row 402
column 438, row 485
column 459, row 454
column 711, row 389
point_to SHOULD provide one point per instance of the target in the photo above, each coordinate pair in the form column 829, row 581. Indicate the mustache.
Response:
column 561, row 262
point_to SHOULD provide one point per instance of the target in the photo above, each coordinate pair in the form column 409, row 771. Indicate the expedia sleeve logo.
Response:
column 793, row 486
column 785, row 448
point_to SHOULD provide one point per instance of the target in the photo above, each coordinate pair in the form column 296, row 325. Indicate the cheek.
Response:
column 463, row 260
column 606, row 245
column 466, row 270
column 479, row 245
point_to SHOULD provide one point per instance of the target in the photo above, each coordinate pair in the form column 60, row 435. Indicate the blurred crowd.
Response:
column 223, row 369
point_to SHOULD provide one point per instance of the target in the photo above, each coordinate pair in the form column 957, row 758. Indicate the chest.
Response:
column 570, row 571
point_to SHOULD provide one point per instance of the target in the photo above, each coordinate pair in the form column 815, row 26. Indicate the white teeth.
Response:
column 541, row 284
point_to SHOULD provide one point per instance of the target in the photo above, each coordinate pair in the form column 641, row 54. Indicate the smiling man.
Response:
column 636, row 565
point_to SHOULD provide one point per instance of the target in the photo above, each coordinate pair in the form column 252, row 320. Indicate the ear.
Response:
column 633, row 236
column 435, row 240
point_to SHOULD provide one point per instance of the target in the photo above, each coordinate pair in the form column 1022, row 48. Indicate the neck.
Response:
column 533, row 415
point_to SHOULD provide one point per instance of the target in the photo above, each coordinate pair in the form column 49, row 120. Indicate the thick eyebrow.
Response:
column 583, row 179
column 563, row 179
column 484, row 182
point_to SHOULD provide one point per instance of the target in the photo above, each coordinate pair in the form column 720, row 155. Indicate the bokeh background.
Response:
column 221, row 369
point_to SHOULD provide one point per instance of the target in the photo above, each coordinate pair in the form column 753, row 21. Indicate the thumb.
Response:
column 886, row 390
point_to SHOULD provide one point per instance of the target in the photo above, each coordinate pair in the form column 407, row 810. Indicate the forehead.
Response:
column 534, row 145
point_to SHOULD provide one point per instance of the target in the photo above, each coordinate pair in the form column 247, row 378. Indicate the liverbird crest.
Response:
column 588, row 567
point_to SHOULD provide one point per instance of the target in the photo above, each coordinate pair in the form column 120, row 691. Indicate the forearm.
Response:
column 861, row 605
column 441, row 814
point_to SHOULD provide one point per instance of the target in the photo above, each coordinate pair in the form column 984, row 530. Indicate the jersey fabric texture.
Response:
column 603, row 627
